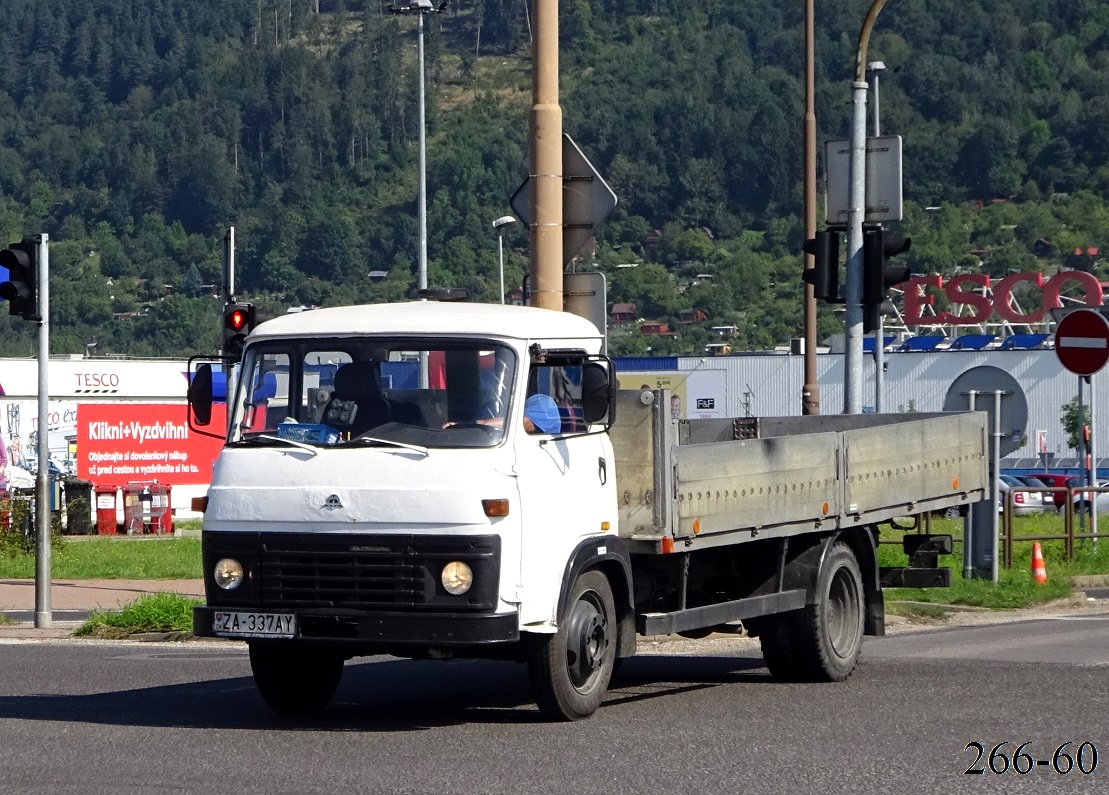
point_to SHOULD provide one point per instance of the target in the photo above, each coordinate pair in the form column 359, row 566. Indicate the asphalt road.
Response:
column 704, row 717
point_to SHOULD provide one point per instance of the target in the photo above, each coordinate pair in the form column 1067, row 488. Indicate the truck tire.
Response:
column 570, row 670
column 295, row 682
column 831, row 630
column 777, row 638
column 822, row 641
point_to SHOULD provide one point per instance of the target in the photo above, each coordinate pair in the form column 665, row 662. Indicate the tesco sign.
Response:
column 968, row 288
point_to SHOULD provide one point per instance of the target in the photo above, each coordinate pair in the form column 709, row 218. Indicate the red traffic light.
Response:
column 238, row 322
column 237, row 319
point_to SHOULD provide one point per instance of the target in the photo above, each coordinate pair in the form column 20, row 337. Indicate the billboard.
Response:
column 119, row 443
column 696, row 395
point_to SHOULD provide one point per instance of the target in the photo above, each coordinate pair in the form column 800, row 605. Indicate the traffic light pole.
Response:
column 43, row 613
column 853, row 283
column 228, row 297
column 853, row 317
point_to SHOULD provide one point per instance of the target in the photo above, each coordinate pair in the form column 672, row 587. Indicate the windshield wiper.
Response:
column 390, row 443
column 291, row 442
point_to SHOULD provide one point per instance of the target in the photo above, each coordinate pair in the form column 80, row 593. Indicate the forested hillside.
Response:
column 135, row 133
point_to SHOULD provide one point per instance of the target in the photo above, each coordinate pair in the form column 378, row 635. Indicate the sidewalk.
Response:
column 72, row 601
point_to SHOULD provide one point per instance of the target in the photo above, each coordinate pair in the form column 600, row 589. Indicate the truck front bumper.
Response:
column 429, row 630
column 365, row 592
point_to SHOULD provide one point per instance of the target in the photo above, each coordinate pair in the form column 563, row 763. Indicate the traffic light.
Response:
column 21, row 288
column 824, row 274
column 878, row 274
column 238, row 321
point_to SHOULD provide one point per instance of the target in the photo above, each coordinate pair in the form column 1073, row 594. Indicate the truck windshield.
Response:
column 348, row 391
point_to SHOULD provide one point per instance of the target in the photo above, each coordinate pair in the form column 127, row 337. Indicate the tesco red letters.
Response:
column 968, row 290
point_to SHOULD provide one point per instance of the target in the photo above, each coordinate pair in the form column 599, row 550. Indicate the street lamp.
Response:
column 499, row 225
column 422, row 8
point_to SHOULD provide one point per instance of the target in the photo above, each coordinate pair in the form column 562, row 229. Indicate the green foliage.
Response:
column 1073, row 421
column 1015, row 587
column 159, row 612
column 135, row 134
column 17, row 533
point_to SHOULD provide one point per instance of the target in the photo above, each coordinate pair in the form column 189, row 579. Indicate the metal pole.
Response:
column 1093, row 461
column 43, row 613
column 810, row 392
column 968, row 520
column 853, row 286
column 229, row 295
column 875, row 67
column 546, row 254
column 879, row 363
column 877, row 110
column 500, row 255
column 853, row 293
column 996, row 474
column 1081, row 449
column 422, row 273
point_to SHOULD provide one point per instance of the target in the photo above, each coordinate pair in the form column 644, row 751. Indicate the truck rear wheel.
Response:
column 822, row 641
column 294, row 681
column 570, row 670
column 777, row 636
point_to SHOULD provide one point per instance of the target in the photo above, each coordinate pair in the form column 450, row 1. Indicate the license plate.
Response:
column 254, row 625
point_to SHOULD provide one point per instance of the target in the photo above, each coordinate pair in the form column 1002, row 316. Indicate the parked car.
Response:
column 1059, row 498
column 1082, row 498
column 1024, row 502
column 1055, row 479
column 1046, row 497
column 19, row 478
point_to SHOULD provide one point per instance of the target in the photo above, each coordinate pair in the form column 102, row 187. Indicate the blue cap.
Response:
column 542, row 411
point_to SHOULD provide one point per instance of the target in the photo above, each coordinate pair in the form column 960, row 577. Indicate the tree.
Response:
column 1074, row 421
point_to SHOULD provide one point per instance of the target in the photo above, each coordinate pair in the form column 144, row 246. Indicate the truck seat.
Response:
column 360, row 382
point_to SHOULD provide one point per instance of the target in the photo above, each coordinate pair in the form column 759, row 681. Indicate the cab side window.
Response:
column 555, row 390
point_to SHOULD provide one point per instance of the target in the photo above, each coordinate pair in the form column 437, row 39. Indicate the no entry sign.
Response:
column 1082, row 341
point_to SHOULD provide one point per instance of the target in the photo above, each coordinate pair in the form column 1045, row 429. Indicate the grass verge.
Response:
column 113, row 558
column 1015, row 587
column 161, row 612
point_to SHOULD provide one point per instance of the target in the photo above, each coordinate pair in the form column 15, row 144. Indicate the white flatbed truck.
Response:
column 380, row 491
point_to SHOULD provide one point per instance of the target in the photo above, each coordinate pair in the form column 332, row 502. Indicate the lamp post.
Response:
column 421, row 8
column 499, row 225
column 853, row 287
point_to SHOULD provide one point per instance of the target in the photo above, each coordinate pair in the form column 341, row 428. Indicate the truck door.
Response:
column 567, row 485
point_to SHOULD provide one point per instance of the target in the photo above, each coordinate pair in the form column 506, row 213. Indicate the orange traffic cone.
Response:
column 1039, row 570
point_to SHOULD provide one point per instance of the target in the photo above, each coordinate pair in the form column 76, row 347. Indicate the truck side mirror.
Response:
column 200, row 394
column 598, row 390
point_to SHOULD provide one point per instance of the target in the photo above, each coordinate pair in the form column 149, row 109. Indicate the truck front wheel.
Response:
column 295, row 682
column 570, row 670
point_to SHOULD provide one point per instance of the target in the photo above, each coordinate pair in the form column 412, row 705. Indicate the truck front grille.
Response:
column 375, row 572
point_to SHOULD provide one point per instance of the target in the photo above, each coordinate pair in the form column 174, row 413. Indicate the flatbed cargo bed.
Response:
column 723, row 481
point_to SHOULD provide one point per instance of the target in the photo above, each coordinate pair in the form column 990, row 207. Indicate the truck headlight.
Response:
column 228, row 573
column 457, row 577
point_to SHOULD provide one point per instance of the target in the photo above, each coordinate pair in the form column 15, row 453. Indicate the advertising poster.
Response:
column 123, row 443
column 696, row 395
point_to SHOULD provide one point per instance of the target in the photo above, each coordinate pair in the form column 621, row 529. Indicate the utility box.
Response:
column 106, row 499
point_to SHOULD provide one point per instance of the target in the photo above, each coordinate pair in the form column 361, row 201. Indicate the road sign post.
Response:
column 586, row 199
column 1082, row 345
